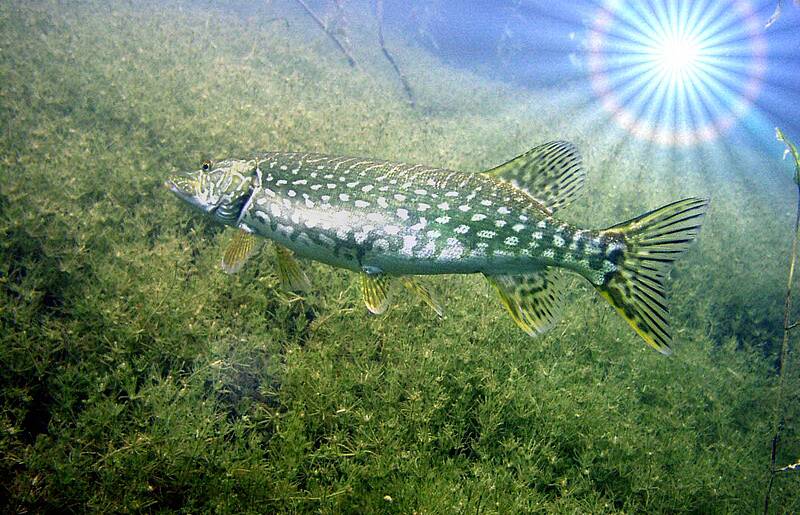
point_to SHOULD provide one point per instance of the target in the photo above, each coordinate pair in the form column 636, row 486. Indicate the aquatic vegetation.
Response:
column 137, row 376
column 788, row 326
column 350, row 59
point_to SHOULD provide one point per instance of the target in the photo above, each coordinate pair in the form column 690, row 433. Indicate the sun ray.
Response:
column 676, row 72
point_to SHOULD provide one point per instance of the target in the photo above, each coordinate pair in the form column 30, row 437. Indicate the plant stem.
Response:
column 350, row 58
column 779, row 416
column 406, row 86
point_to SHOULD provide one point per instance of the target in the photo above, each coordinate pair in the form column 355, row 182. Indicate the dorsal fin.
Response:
column 552, row 173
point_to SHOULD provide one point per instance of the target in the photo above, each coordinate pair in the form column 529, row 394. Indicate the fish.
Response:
column 395, row 222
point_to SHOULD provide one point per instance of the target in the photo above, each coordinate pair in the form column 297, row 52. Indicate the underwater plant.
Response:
column 788, row 326
column 330, row 33
column 135, row 378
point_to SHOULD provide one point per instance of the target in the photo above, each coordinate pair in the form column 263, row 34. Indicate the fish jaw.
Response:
column 187, row 187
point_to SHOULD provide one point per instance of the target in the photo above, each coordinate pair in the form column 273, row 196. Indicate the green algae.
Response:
column 136, row 376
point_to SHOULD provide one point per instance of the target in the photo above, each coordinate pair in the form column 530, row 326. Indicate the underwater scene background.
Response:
column 136, row 376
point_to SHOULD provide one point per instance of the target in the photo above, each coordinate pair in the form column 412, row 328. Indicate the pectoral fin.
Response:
column 375, row 289
column 413, row 285
column 532, row 299
column 242, row 246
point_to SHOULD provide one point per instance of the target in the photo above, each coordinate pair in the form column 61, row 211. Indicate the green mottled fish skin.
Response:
column 400, row 219
column 390, row 219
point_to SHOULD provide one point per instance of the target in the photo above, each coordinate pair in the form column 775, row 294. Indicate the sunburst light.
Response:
column 676, row 72
column 677, row 55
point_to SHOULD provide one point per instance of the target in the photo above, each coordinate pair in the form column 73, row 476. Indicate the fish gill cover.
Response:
column 136, row 375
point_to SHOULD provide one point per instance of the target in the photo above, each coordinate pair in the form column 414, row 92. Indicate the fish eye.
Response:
column 206, row 165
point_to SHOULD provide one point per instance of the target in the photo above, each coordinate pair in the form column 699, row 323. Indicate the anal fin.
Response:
column 532, row 299
column 415, row 286
column 242, row 246
column 375, row 290
column 290, row 274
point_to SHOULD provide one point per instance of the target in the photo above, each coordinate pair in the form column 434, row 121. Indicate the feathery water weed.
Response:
column 137, row 376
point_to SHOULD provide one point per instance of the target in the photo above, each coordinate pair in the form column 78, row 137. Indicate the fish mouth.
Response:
column 174, row 188
column 187, row 197
column 168, row 184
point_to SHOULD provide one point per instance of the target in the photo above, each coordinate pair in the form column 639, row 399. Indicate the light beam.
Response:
column 676, row 72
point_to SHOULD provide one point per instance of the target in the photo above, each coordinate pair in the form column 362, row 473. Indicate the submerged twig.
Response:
column 284, row 20
column 324, row 27
column 777, row 13
column 406, row 86
column 779, row 413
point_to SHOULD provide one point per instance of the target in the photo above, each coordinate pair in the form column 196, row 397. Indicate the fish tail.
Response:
column 639, row 259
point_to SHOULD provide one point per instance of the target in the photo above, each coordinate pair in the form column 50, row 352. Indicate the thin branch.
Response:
column 406, row 86
column 787, row 468
column 284, row 20
column 330, row 34
column 775, row 15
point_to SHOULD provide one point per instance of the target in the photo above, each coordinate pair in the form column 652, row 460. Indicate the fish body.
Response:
column 399, row 219
column 384, row 219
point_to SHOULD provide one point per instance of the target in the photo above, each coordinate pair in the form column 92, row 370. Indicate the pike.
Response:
column 386, row 220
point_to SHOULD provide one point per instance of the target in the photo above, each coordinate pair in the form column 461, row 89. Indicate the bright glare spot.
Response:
column 676, row 72
column 677, row 55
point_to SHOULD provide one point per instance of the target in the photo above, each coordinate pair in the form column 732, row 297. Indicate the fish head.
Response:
column 219, row 189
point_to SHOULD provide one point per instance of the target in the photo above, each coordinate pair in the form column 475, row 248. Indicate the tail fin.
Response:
column 652, row 242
